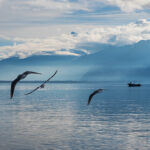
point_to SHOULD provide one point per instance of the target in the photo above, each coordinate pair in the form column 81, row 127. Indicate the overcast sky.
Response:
column 29, row 27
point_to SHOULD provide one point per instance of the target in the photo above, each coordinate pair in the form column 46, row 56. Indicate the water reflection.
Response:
column 57, row 117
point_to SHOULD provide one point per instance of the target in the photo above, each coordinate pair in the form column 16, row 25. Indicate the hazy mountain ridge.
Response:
column 119, row 55
column 111, row 62
column 38, row 60
column 124, row 62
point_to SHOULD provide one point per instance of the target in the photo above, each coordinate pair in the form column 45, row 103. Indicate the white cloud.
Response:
column 24, row 11
column 27, row 47
column 41, row 14
column 130, row 5
column 66, row 5
column 126, row 5
column 16, row 14
column 37, row 10
column 88, row 5
column 118, row 35
column 1, row 1
column 64, row 43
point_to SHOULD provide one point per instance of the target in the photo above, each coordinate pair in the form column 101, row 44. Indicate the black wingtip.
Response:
column 88, row 103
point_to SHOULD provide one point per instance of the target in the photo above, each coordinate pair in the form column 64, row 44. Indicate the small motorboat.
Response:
column 133, row 84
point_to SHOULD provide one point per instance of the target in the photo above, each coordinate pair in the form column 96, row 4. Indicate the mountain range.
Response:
column 110, row 62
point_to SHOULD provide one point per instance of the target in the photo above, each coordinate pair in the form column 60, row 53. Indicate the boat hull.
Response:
column 133, row 84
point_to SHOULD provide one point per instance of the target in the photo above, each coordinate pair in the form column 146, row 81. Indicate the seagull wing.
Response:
column 49, row 78
column 31, row 72
column 90, row 98
column 41, row 84
column 19, row 77
column 91, row 95
column 13, row 85
column 33, row 90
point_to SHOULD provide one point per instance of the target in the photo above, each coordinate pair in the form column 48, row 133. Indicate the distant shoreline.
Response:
column 54, row 81
column 77, row 82
column 67, row 81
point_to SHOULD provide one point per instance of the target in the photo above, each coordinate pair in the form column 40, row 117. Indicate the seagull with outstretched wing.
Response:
column 92, row 94
column 19, row 77
column 42, row 85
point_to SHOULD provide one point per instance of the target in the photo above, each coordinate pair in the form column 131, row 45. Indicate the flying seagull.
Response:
column 42, row 85
column 19, row 77
column 92, row 94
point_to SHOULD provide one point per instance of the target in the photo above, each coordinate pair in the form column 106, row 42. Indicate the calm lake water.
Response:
column 58, row 118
